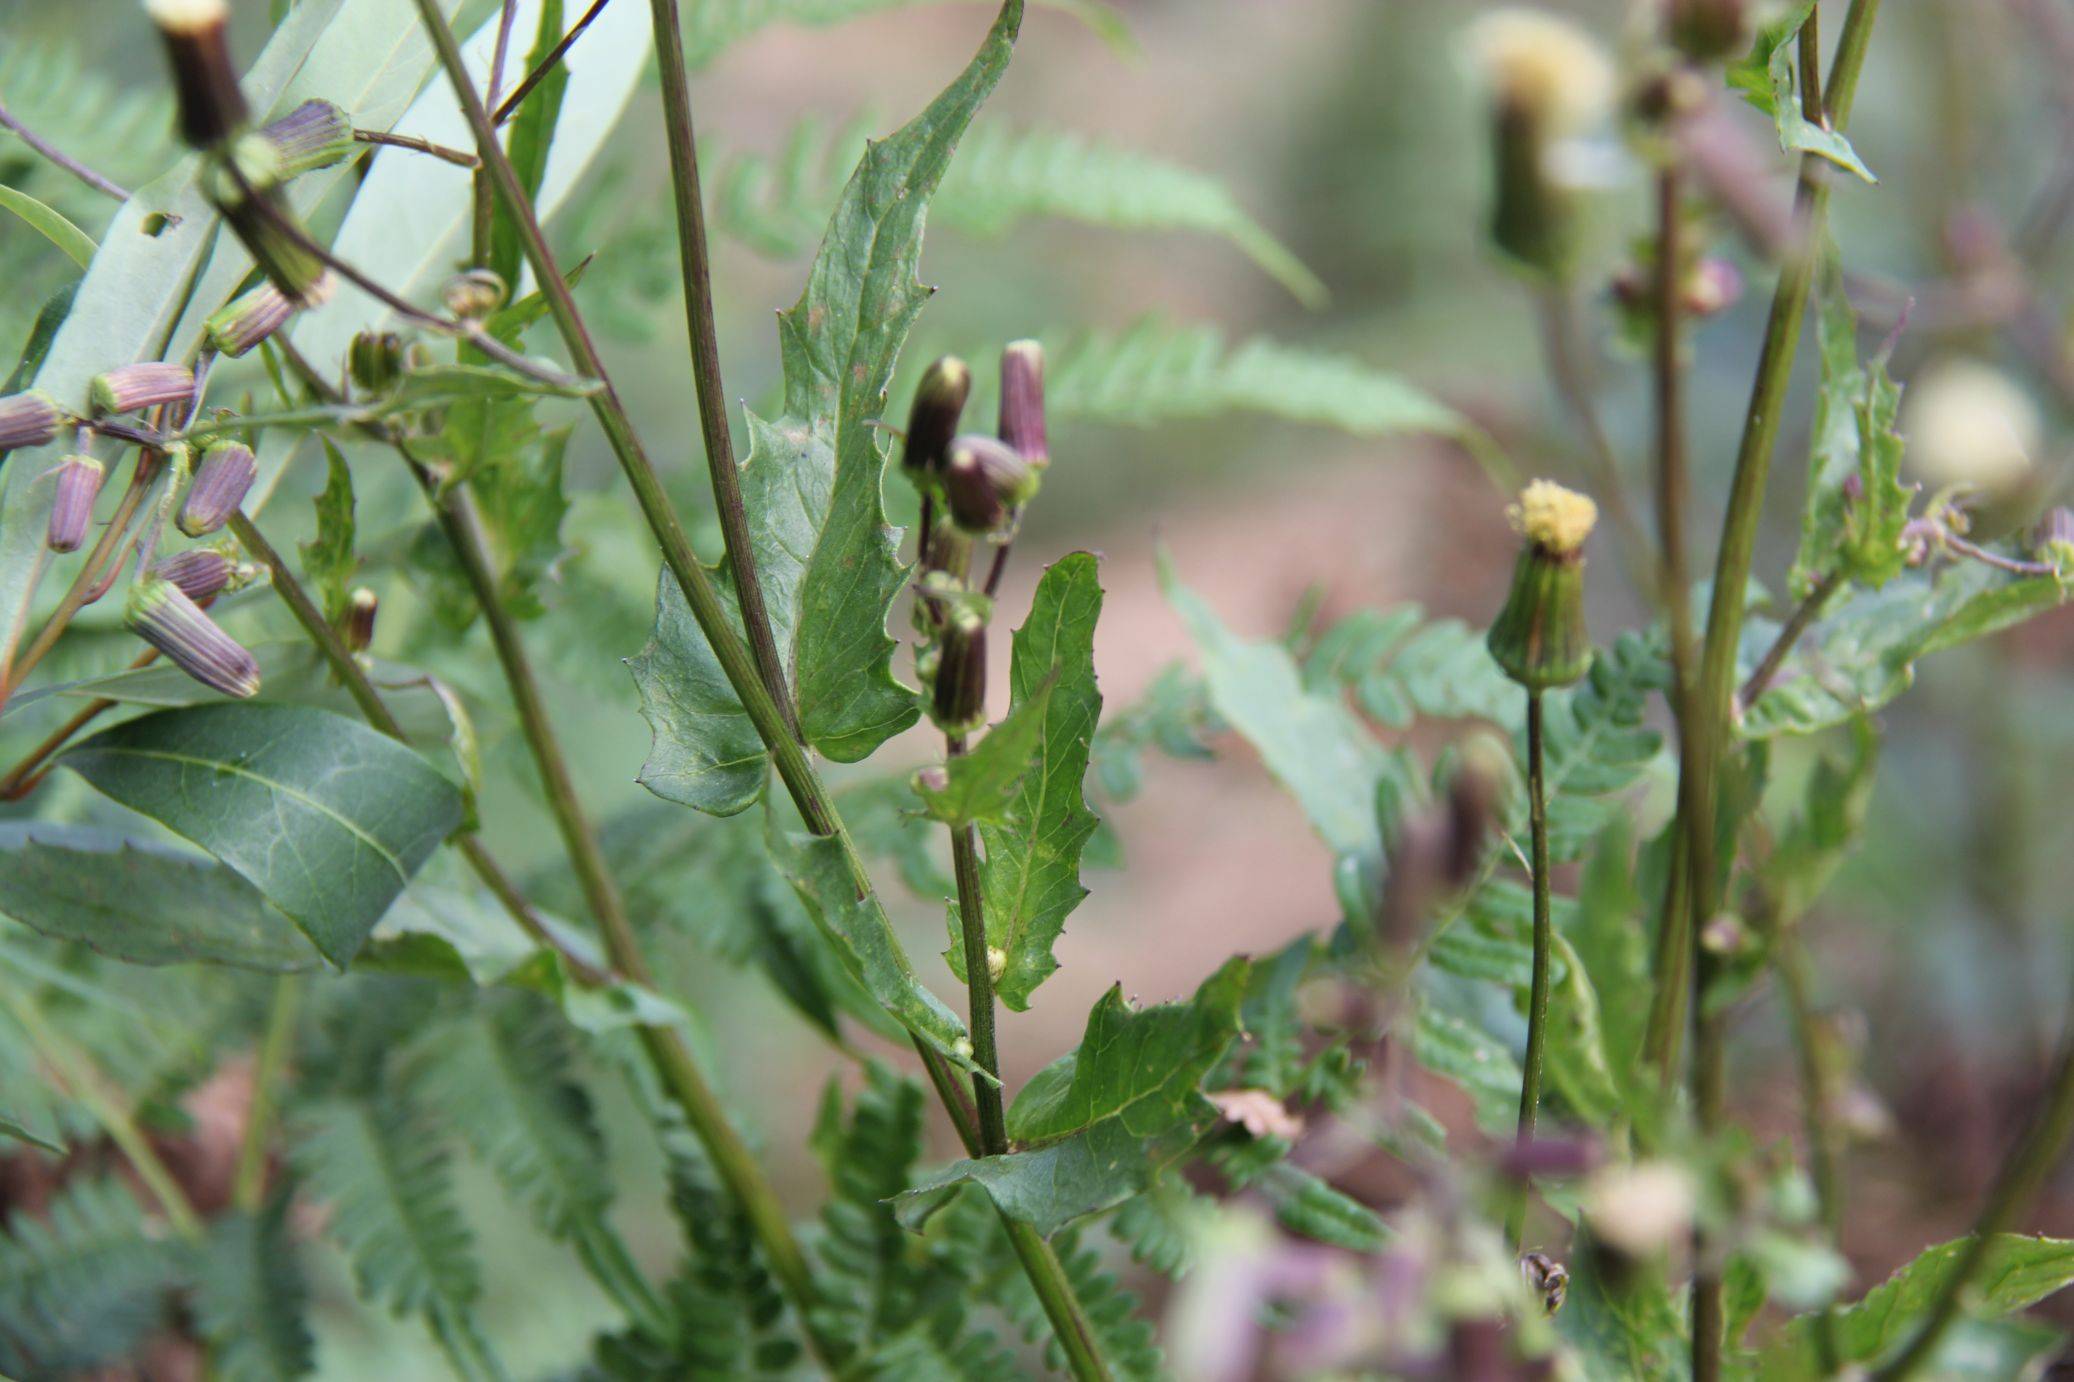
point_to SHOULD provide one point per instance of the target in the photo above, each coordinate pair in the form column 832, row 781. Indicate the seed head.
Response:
column 1022, row 402
column 1539, row 638
column 985, row 485
column 72, row 510
column 28, row 419
column 933, row 419
column 226, row 472
column 129, row 388
column 162, row 615
column 1548, row 69
column 244, row 322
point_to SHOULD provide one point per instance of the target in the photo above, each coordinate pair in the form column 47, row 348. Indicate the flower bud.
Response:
column 1548, row 81
column 933, row 420
column 72, row 511
column 271, row 233
column 162, row 615
column 1968, row 425
column 1022, row 402
column 1706, row 30
column 358, row 626
column 473, row 295
column 244, row 322
column 205, row 84
column 1539, row 638
column 960, row 700
column 2053, row 539
column 130, row 388
column 226, row 471
column 316, row 134
column 985, row 486
column 199, row 572
column 374, row 361
column 28, row 419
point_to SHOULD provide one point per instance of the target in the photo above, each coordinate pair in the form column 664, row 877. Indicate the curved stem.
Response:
column 248, row 1184
column 1782, row 647
column 1544, row 945
column 460, row 158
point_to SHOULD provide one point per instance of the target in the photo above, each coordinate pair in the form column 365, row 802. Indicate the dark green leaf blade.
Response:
column 326, row 817
column 980, row 784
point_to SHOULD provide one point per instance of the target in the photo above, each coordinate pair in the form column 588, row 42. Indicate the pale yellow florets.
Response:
column 1554, row 519
column 1967, row 424
column 187, row 16
column 1544, row 66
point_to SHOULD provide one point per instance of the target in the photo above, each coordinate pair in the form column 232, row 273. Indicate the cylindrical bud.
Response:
column 271, row 233
column 226, row 472
column 374, row 361
column 475, row 294
column 358, row 629
column 1548, row 80
column 128, row 388
column 28, row 419
column 2053, row 539
column 205, row 84
column 1539, row 638
column 985, row 485
column 162, row 615
column 72, row 510
column 1022, row 402
column 960, row 701
column 316, row 134
column 244, row 322
column 200, row 572
column 933, row 420
column 1705, row 30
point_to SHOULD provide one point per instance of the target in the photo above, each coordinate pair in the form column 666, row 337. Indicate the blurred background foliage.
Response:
column 1349, row 147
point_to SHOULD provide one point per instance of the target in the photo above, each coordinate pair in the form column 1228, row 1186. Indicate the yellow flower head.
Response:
column 1545, row 67
column 1555, row 519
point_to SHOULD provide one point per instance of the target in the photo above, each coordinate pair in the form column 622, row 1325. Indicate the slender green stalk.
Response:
column 484, row 218
column 2022, row 1175
column 105, row 185
column 276, row 1045
column 1544, row 959
column 533, row 78
column 696, row 264
column 101, row 1099
column 979, row 985
column 458, row 157
column 1782, row 647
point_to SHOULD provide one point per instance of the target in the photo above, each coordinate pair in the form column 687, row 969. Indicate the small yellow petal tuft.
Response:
column 1554, row 519
column 1546, row 67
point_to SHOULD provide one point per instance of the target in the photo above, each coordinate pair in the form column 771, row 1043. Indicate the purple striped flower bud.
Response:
column 985, row 486
column 358, row 626
column 959, row 702
column 1022, row 401
column 28, row 419
column 226, row 471
column 72, row 511
column 933, row 420
column 244, row 322
column 200, row 572
column 316, row 134
column 129, row 388
column 206, row 84
column 161, row 614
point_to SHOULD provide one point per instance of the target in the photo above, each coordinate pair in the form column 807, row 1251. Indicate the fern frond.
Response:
column 1127, row 1341
column 249, row 1299
column 80, row 1289
column 1401, row 666
column 869, row 1261
column 1598, row 742
column 1162, row 1224
column 1161, row 372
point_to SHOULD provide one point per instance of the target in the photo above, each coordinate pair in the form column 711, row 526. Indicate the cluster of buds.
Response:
column 226, row 472
column 246, row 169
column 1539, row 638
column 981, row 485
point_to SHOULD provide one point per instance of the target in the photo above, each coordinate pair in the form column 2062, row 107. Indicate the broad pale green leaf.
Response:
column 2018, row 1272
column 1766, row 77
column 1619, row 1330
column 140, row 902
column 980, row 784
column 1096, row 1126
column 825, row 556
column 1864, row 653
column 532, row 133
column 324, row 816
column 1031, row 879
column 26, row 490
column 1310, row 741
column 250, row 1297
column 859, row 931
column 51, row 224
column 1609, row 941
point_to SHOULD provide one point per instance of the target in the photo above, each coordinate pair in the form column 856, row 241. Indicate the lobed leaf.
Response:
column 250, row 1297
column 980, row 784
column 1766, row 77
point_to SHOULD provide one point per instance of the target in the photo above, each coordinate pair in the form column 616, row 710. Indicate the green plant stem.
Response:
column 276, row 1045
column 105, row 1103
column 1544, row 958
column 1782, row 647
column 2032, row 1160
column 485, row 201
column 458, row 157
column 533, row 78
column 788, row 756
column 1563, row 349
column 695, row 262
column 979, row 984
column 106, row 186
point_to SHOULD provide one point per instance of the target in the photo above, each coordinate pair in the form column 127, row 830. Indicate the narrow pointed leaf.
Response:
column 981, row 784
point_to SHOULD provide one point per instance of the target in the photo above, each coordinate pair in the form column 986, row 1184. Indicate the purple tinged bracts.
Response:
column 358, row 632
column 225, row 473
column 1022, row 402
column 316, row 134
column 933, row 419
column 244, row 322
column 28, row 419
column 130, row 388
column 959, row 703
column 72, row 510
column 200, row 572
column 985, row 486
column 162, row 615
